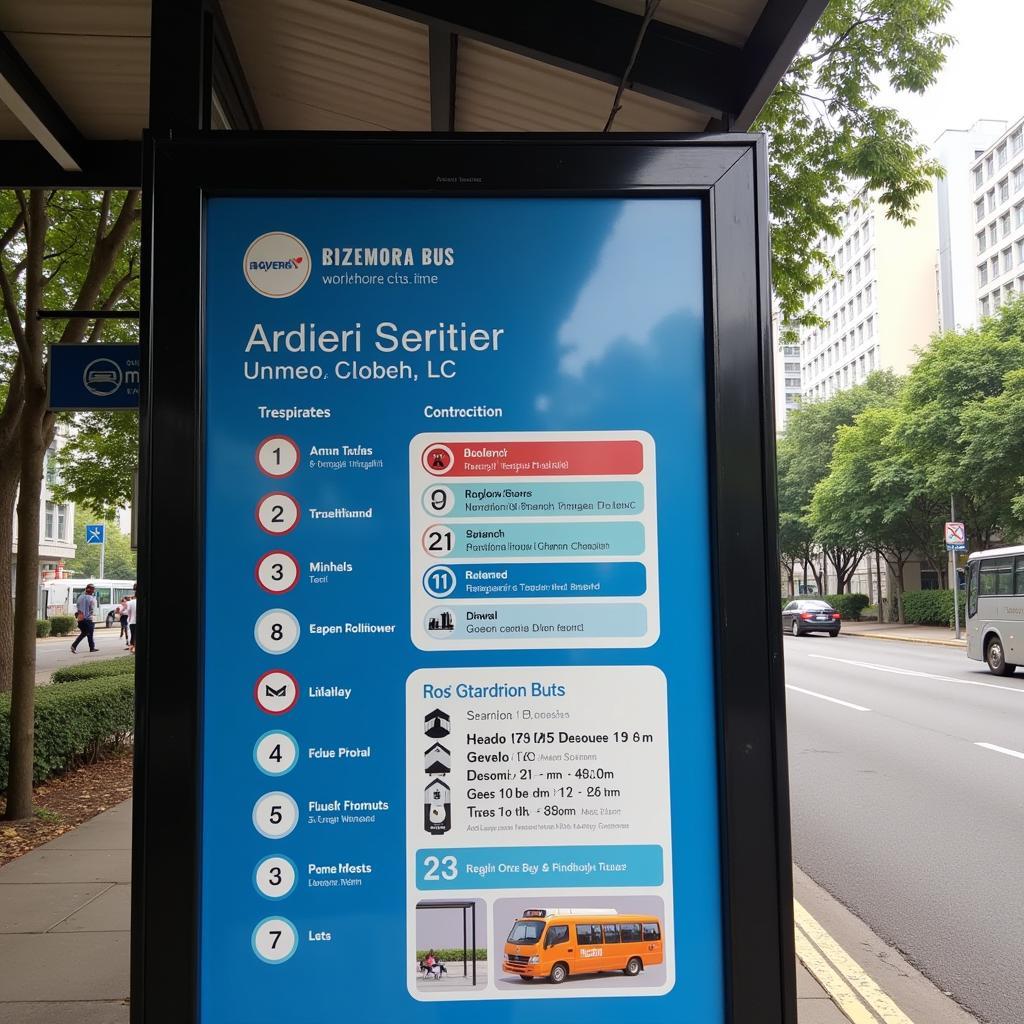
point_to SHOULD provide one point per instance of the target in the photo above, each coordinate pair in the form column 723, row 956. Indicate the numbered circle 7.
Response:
column 275, row 753
column 277, row 572
column 275, row 877
column 277, row 455
column 275, row 815
column 277, row 631
column 277, row 512
column 274, row 940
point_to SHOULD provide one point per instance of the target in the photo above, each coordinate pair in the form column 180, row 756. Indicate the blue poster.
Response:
column 458, row 754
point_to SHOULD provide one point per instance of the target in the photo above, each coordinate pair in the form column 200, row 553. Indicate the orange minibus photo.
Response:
column 557, row 942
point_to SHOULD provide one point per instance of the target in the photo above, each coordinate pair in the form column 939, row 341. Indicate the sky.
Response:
column 982, row 75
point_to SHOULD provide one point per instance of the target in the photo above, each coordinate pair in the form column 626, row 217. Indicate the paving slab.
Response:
column 41, row 906
column 49, row 864
column 110, row 912
column 58, row 967
column 110, row 830
column 96, row 1012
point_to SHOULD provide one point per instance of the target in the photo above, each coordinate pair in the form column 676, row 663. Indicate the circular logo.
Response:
column 102, row 377
column 438, row 459
column 276, row 692
column 276, row 264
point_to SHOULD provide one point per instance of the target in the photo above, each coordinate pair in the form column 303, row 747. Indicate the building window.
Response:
column 979, row 210
column 792, row 367
column 867, row 295
column 871, row 360
column 1004, row 190
column 1018, row 215
column 1018, row 177
column 993, row 267
column 980, row 236
column 1001, row 154
column 990, row 199
column 51, row 465
column 1004, row 225
column 867, row 263
column 1007, row 260
column 49, row 520
column 1020, row 250
column 1008, row 292
column 997, row 301
column 869, row 326
column 866, row 230
column 983, row 274
column 990, row 166
column 1017, row 140
column 993, row 233
column 792, row 382
column 983, row 306
column 979, row 176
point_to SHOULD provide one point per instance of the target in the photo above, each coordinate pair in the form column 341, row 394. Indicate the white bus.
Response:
column 59, row 597
column 995, row 608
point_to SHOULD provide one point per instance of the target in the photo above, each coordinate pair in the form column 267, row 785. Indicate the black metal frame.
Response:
column 729, row 173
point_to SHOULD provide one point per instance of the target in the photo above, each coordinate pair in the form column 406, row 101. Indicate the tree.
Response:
column 118, row 557
column 826, row 132
column 97, row 466
column 63, row 249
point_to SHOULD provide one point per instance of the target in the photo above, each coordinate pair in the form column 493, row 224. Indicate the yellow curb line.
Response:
column 909, row 639
column 841, row 976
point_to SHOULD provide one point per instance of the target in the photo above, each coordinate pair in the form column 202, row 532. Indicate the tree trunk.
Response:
column 878, row 577
column 8, row 495
column 901, row 616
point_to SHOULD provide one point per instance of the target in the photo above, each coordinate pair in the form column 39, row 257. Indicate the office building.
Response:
column 786, row 366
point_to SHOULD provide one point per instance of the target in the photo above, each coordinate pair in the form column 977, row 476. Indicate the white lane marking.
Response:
column 831, row 700
column 921, row 675
column 1001, row 750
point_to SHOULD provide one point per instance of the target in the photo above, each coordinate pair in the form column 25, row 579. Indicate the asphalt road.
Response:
column 902, row 815
column 53, row 652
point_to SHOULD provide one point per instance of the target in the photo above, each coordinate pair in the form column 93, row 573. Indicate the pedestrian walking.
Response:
column 133, row 605
column 122, row 615
column 85, row 609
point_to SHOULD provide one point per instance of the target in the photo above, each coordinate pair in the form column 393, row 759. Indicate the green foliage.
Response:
column 848, row 605
column 97, row 466
column 827, row 132
column 119, row 559
column 74, row 724
column 123, row 666
column 930, row 607
column 42, row 627
column 61, row 625
column 448, row 955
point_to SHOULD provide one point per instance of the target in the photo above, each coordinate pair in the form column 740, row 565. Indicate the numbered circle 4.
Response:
column 275, row 753
column 274, row 940
column 438, row 541
column 277, row 631
column 275, row 877
column 277, row 572
column 277, row 455
column 277, row 512
column 439, row 580
column 276, row 692
column 438, row 500
column 275, row 815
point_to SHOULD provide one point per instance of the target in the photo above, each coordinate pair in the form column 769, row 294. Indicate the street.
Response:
column 54, row 652
column 907, row 776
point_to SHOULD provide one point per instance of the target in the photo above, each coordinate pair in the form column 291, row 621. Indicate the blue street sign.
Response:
column 956, row 547
column 95, row 533
column 94, row 376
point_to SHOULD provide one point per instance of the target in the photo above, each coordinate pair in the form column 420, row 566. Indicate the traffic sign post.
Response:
column 411, row 402
column 96, row 533
column 955, row 535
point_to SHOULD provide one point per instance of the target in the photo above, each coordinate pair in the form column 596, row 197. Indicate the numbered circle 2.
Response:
column 277, row 512
column 441, row 622
column 277, row 572
column 275, row 753
column 438, row 541
column 277, row 631
column 276, row 692
column 438, row 500
column 275, row 877
column 277, row 455
column 274, row 940
column 440, row 580
column 438, row 459
column 275, row 815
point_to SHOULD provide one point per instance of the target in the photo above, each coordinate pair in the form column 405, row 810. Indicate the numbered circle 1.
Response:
column 277, row 512
column 441, row 622
column 277, row 455
column 275, row 815
column 440, row 580
column 438, row 459
column 274, row 940
column 439, row 500
column 276, row 692
column 277, row 572
column 438, row 541
column 275, row 877
column 275, row 753
column 277, row 631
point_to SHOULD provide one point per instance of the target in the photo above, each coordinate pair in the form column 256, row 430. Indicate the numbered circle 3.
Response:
column 439, row 580
column 275, row 877
column 438, row 459
column 276, row 692
column 277, row 631
column 275, row 815
column 438, row 500
column 277, row 512
column 438, row 541
column 275, row 753
column 277, row 455
column 277, row 572
column 274, row 940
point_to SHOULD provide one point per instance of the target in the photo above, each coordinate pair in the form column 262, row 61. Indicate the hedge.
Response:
column 448, row 955
column 61, row 625
column 42, row 627
column 123, row 666
column 74, row 724
column 930, row 607
column 848, row 605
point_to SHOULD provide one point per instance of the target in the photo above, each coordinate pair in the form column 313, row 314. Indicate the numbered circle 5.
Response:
column 276, row 692
column 275, row 753
column 277, row 512
column 275, row 877
column 277, row 455
column 438, row 459
column 277, row 572
column 274, row 940
column 277, row 631
column 439, row 580
column 275, row 815
column 438, row 500
column 438, row 541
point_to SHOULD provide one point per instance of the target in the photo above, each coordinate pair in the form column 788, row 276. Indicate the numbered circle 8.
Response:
column 277, row 455
column 277, row 572
column 277, row 512
column 275, row 753
column 438, row 500
column 275, row 877
column 439, row 580
column 277, row 631
column 274, row 940
column 438, row 541
column 276, row 692
column 275, row 815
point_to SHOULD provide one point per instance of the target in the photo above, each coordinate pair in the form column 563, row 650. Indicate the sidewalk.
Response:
column 943, row 636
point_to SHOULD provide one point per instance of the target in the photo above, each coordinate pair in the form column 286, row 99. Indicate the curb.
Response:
column 958, row 644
